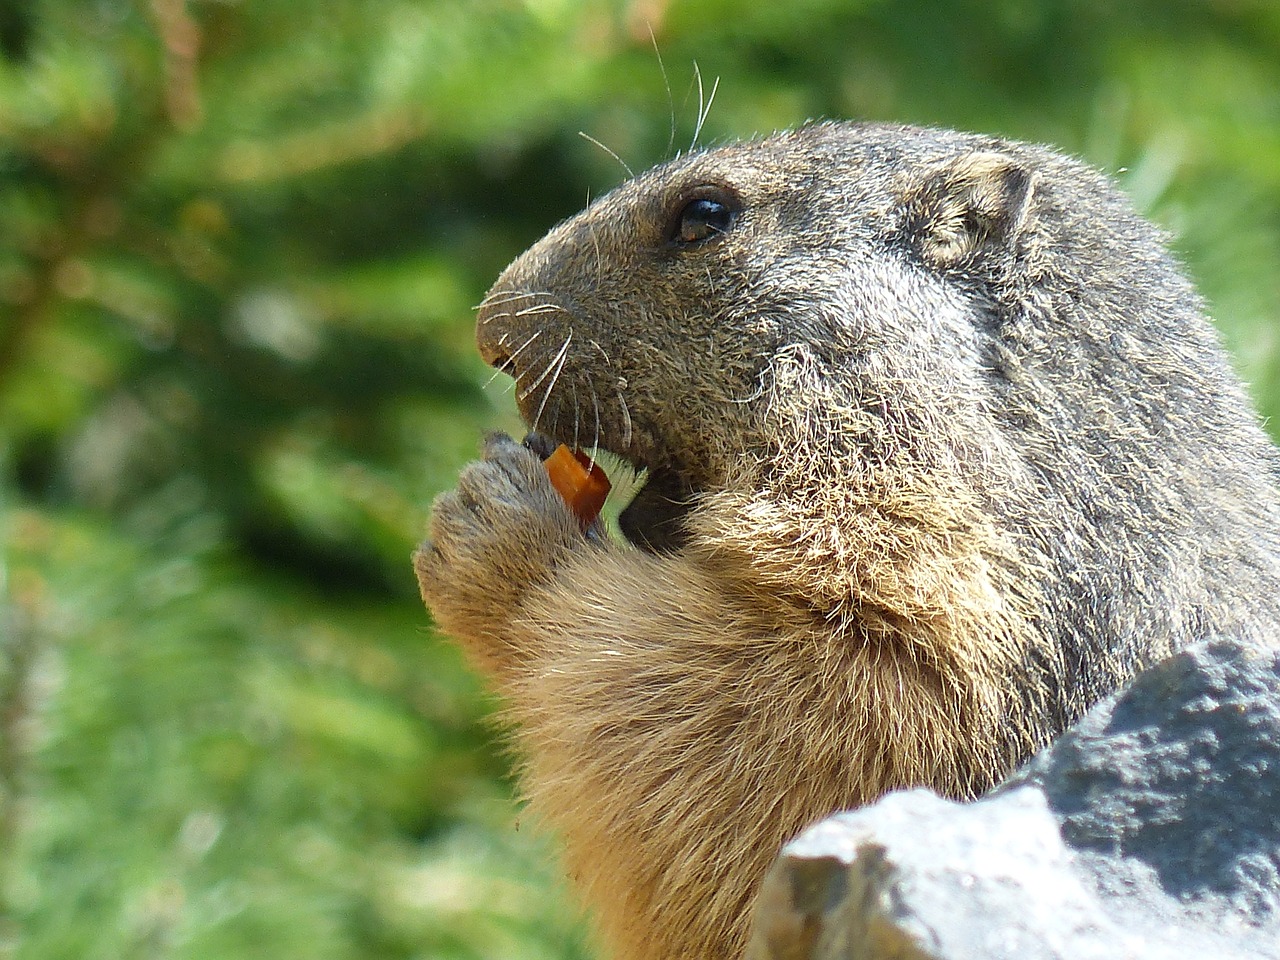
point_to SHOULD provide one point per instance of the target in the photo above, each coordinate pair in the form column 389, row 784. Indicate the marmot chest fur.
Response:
column 940, row 449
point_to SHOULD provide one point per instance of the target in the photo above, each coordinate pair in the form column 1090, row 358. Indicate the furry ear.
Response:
column 975, row 202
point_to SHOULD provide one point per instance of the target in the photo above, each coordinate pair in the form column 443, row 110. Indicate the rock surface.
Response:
column 1149, row 830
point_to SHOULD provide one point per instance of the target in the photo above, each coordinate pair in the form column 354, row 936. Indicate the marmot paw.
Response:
column 503, row 528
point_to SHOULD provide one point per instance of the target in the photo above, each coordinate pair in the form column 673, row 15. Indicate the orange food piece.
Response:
column 582, row 483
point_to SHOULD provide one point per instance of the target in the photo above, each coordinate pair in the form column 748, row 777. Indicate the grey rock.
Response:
column 1150, row 830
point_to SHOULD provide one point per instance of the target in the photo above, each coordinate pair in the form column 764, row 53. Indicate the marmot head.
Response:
column 672, row 321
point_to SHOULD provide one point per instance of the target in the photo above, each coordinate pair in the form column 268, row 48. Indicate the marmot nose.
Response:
column 491, row 335
column 510, row 320
column 493, row 352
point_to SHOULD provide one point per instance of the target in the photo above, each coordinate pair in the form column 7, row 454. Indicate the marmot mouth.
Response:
column 654, row 518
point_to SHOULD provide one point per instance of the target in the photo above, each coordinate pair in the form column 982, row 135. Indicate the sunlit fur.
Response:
column 964, row 455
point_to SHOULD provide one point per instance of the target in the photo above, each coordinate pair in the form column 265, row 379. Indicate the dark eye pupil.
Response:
column 703, row 219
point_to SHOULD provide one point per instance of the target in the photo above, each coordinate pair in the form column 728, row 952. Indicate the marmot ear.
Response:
column 976, row 201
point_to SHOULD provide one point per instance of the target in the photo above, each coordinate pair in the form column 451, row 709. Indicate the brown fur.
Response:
column 941, row 449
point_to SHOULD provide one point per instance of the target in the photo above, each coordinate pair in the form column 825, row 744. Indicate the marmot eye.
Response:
column 701, row 220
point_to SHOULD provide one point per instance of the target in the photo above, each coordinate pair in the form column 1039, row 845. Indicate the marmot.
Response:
column 941, row 448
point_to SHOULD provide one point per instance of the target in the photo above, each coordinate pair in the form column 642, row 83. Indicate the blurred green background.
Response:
column 239, row 247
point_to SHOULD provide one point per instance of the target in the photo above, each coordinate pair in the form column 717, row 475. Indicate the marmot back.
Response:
column 940, row 448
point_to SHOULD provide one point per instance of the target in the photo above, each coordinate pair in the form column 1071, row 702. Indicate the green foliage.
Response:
column 240, row 246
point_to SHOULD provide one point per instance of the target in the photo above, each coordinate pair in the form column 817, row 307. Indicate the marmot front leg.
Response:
column 500, row 533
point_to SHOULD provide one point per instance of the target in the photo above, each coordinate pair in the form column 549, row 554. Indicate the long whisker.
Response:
column 540, row 308
column 512, row 359
column 697, row 76
column 559, row 365
column 591, row 139
column 494, row 376
column 575, row 417
column 622, row 401
column 507, row 296
column 595, row 437
column 547, row 370
column 595, row 242
column 510, row 365
column 666, row 82
column 524, row 346
column 626, row 419
column 602, row 353
column 528, row 388
column 703, row 110
column 756, row 394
